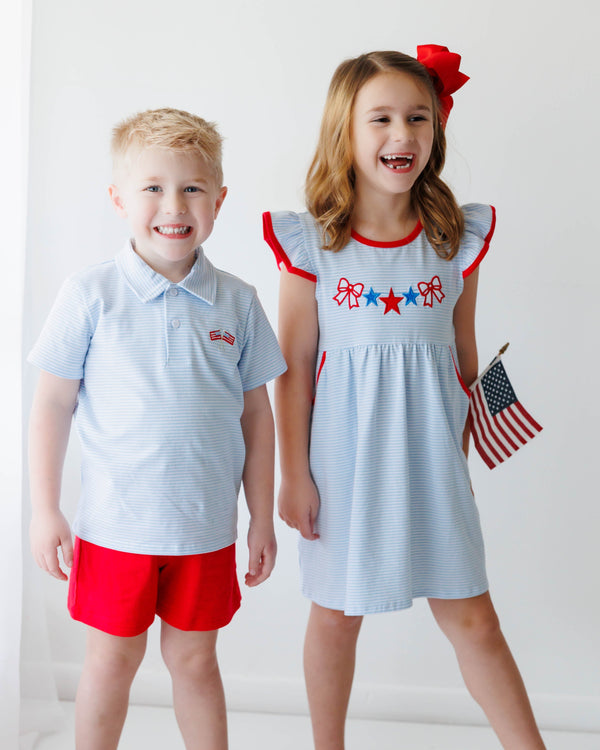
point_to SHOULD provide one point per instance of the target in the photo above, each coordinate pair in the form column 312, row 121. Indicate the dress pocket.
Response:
column 319, row 371
column 463, row 385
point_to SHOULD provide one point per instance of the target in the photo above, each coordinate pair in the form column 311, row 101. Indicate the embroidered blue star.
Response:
column 371, row 297
column 411, row 296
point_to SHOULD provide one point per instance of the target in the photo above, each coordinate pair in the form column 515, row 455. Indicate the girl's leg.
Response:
column 103, row 693
column 329, row 658
column 488, row 668
column 198, row 695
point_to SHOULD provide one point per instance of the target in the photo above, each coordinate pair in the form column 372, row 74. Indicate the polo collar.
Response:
column 147, row 284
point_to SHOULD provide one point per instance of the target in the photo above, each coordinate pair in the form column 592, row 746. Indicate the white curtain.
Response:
column 28, row 702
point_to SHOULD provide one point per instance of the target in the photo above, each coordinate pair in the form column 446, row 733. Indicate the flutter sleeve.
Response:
column 480, row 222
column 284, row 234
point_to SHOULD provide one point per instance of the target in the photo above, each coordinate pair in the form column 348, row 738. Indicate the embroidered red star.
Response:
column 391, row 302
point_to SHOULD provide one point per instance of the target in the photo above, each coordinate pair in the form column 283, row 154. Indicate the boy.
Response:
column 164, row 359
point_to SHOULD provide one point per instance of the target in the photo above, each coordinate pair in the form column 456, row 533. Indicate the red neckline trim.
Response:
column 398, row 243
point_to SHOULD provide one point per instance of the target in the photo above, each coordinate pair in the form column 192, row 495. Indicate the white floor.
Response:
column 151, row 728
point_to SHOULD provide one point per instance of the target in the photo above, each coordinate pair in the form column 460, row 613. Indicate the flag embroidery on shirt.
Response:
column 500, row 425
column 219, row 335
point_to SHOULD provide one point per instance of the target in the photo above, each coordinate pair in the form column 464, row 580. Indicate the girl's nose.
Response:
column 402, row 132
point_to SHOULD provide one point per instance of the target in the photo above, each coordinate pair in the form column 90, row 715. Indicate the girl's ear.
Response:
column 117, row 200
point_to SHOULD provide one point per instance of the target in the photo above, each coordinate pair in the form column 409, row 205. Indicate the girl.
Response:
column 377, row 327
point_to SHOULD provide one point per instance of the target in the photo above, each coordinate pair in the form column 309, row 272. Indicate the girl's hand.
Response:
column 48, row 531
column 262, row 547
column 299, row 506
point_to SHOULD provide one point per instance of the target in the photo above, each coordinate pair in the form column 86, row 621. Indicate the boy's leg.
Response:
column 329, row 658
column 103, row 693
column 488, row 668
column 198, row 695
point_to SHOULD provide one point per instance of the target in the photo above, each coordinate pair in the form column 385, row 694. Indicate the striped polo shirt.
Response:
column 163, row 369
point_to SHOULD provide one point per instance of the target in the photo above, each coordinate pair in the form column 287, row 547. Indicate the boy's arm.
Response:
column 466, row 345
column 50, row 424
column 259, row 437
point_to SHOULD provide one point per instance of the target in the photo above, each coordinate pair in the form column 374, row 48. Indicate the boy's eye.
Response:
column 191, row 189
column 153, row 189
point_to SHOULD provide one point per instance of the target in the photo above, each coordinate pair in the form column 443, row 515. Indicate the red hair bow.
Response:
column 442, row 66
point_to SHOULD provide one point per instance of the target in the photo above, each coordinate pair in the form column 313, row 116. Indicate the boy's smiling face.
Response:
column 171, row 201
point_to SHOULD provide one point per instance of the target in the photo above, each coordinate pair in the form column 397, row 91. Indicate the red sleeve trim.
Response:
column 484, row 249
column 280, row 254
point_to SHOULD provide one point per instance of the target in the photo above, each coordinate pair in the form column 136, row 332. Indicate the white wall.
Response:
column 520, row 137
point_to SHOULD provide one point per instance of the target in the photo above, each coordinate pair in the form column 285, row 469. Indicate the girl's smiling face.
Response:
column 391, row 133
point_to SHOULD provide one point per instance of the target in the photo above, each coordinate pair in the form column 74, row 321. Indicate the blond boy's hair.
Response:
column 168, row 128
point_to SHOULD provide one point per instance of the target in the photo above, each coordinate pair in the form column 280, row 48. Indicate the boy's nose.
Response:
column 174, row 204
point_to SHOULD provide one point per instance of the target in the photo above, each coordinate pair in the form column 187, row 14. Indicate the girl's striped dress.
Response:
column 397, row 519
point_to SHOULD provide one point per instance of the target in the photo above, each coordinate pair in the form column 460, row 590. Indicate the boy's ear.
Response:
column 117, row 201
column 220, row 199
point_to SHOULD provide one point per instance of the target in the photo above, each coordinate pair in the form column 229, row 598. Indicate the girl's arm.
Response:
column 50, row 425
column 298, row 338
column 259, row 439
column 466, row 345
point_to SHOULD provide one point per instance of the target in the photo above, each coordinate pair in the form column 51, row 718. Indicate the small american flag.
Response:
column 499, row 423
column 215, row 335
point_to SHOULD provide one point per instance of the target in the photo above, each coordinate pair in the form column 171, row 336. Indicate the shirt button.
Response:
column 175, row 323
column 173, row 291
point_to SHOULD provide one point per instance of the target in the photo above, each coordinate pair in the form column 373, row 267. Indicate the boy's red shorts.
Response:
column 120, row 592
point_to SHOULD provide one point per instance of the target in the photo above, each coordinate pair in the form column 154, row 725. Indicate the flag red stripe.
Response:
column 490, row 429
column 523, row 440
column 528, row 416
column 514, row 446
column 481, row 419
column 518, row 421
column 480, row 449
column 485, row 444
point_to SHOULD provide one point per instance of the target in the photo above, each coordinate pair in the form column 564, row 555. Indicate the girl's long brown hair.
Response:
column 330, row 179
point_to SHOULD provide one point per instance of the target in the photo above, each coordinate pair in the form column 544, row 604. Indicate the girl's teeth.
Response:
column 395, row 161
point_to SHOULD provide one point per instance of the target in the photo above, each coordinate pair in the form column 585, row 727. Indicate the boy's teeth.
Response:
column 173, row 230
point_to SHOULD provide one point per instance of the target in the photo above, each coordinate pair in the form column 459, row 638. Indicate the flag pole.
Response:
column 491, row 364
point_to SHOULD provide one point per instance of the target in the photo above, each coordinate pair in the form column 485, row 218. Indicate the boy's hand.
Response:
column 262, row 547
column 47, row 532
column 299, row 505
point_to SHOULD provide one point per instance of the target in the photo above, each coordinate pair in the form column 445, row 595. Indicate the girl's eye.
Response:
column 153, row 189
column 417, row 118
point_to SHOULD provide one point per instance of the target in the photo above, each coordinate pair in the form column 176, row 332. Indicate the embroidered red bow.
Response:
column 431, row 289
column 348, row 291
column 442, row 66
